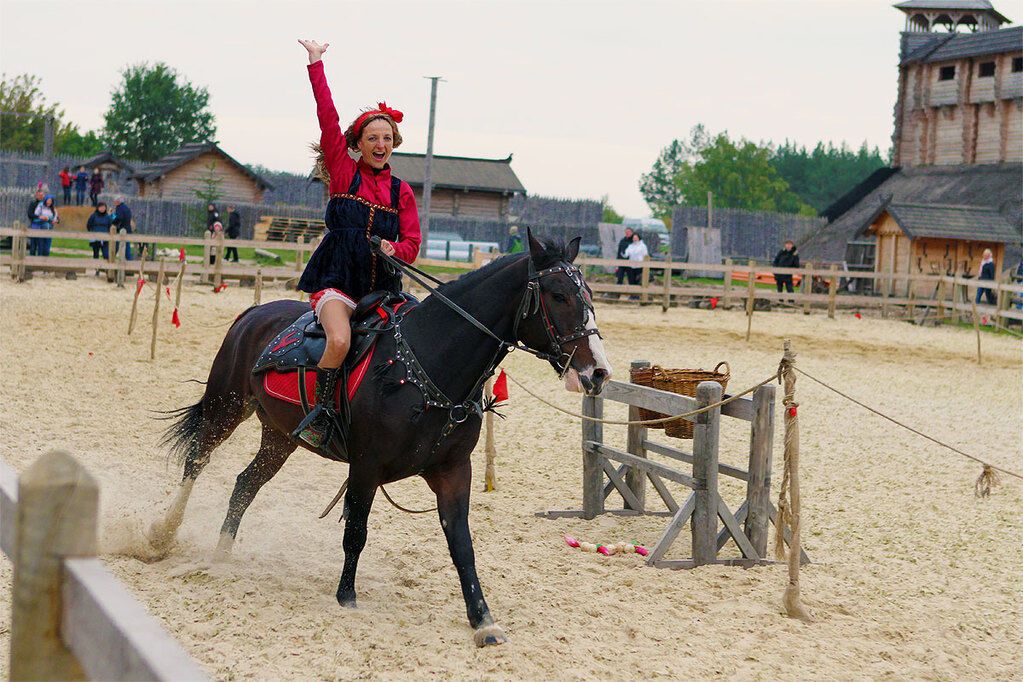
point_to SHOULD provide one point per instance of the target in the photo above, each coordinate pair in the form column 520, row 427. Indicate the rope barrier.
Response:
column 987, row 466
column 643, row 422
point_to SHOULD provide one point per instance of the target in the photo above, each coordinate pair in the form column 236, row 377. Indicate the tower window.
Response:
column 1017, row 64
column 947, row 73
column 987, row 69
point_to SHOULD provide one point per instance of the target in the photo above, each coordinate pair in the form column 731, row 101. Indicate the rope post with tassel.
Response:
column 490, row 477
column 175, row 319
column 788, row 496
column 139, row 283
column 156, row 308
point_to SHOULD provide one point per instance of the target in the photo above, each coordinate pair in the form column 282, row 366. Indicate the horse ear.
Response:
column 536, row 249
column 572, row 250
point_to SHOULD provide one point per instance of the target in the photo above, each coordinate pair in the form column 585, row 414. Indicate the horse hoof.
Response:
column 489, row 635
column 159, row 537
column 347, row 601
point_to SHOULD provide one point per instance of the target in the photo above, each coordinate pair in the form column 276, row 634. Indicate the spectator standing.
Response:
column 121, row 219
column 513, row 244
column 65, row 184
column 215, row 229
column 44, row 219
column 788, row 257
column 987, row 272
column 81, row 184
column 636, row 251
column 623, row 244
column 95, row 186
column 234, row 230
column 100, row 221
column 36, row 200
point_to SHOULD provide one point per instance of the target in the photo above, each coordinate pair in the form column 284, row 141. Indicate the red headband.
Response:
column 382, row 109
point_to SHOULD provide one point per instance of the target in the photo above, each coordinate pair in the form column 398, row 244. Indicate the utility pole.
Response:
column 424, row 220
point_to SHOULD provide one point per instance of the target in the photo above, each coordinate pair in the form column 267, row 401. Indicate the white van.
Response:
column 648, row 226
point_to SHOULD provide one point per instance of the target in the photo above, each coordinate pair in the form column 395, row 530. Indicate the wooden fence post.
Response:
column 667, row 285
column 122, row 259
column 218, row 267
column 593, row 473
column 156, row 308
column 832, row 291
column 58, row 505
column 644, row 282
column 807, row 287
column 758, row 487
column 940, row 300
column 635, row 435
column 726, row 297
column 257, row 296
column 705, row 472
column 204, row 276
column 19, row 249
column 490, row 444
column 976, row 327
column 749, row 299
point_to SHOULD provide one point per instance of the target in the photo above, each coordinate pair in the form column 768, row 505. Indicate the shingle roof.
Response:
column 954, row 5
column 949, row 222
column 458, row 172
column 993, row 186
column 186, row 153
column 951, row 46
column 107, row 157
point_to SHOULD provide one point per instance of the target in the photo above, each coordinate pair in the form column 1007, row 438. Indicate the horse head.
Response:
column 557, row 316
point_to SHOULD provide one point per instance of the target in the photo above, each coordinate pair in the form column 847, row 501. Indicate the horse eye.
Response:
column 560, row 298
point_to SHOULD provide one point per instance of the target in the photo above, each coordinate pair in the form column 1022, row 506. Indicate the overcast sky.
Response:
column 584, row 94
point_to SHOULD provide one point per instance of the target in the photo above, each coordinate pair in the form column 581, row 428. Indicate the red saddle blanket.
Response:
column 284, row 385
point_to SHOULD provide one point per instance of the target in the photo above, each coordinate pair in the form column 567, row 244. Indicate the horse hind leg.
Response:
column 198, row 430
column 274, row 450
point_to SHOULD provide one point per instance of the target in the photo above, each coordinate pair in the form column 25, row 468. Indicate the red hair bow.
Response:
column 393, row 113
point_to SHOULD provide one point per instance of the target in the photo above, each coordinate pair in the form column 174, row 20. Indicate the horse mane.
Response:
column 554, row 252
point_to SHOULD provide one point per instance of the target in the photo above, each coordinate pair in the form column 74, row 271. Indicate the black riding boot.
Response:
column 324, row 427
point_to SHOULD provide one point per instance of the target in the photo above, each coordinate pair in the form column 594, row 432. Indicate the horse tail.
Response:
column 183, row 435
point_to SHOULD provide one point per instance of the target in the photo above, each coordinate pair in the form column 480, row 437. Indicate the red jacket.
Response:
column 65, row 179
column 375, row 186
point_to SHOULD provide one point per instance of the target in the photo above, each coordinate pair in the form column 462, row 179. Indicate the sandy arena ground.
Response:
column 913, row 577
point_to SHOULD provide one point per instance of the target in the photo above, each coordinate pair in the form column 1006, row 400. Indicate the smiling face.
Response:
column 377, row 142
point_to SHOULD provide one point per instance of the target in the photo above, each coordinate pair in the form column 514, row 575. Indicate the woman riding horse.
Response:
column 365, row 201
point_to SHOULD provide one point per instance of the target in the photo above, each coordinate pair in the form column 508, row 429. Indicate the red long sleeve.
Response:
column 409, row 236
column 335, row 150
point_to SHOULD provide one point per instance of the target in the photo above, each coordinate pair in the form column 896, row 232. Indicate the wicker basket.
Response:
column 647, row 376
column 684, row 382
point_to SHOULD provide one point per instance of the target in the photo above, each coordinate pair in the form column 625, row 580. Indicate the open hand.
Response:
column 314, row 49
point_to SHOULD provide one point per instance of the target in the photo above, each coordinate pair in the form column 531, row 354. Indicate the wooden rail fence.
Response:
column 947, row 298
column 608, row 469
column 70, row 618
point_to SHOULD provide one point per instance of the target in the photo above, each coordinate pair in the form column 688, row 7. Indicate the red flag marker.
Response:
column 175, row 320
column 138, row 285
column 167, row 291
column 713, row 302
column 501, row 387
column 858, row 316
column 181, row 255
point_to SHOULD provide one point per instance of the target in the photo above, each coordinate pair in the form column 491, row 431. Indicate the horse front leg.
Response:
column 358, row 501
column 451, row 486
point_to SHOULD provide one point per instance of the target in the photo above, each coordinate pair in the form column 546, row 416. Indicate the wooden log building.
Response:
column 934, row 239
column 957, row 139
column 179, row 174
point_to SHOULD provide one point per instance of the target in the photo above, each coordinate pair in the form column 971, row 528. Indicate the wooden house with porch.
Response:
column 935, row 239
column 115, row 170
column 179, row 174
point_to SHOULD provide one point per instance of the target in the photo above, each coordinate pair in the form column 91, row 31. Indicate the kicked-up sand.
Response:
column 912, row 576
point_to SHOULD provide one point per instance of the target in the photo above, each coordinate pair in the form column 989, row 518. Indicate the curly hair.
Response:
column 352, row 135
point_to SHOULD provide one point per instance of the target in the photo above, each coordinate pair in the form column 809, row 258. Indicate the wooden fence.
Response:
column 70, row 618
column 947, row 297
column 608, row 469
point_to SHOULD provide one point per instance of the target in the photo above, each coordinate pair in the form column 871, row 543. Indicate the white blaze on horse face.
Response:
column 597, row 350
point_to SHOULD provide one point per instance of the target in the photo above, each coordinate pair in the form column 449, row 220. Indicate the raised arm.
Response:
column 332, row 141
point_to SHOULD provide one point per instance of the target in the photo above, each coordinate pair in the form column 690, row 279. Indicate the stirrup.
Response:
column 324, row 427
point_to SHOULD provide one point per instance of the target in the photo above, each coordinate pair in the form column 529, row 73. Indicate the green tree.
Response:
column 154, row 111
column 609, row 214
column 740, row 175
column 24, row 94
column 208, row 192
column 823, row 175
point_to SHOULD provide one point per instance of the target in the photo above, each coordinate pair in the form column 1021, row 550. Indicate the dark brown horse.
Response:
column 537, row 300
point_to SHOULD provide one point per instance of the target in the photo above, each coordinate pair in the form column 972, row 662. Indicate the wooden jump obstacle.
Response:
column 70, row 618
column 607, row 470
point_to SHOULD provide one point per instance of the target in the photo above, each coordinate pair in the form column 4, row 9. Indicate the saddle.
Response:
column 301, row 344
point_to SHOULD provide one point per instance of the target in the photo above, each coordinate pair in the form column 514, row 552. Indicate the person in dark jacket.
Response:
column 33, row 203
column 81, row 184
column 95, row 186
column 121, row 219
column 100, row 221
column 234, row 230
column 786, row 258
column 623, row 272
column 987, row 271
